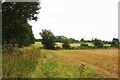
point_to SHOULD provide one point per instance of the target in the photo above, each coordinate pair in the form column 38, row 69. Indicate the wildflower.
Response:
column 82, row 64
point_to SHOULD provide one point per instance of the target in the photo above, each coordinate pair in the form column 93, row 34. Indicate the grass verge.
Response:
column 20, row 63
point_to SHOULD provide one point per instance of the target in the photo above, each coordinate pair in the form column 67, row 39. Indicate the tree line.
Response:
column 49, row 40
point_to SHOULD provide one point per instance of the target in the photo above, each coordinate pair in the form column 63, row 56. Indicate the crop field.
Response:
column 66, row 63
column 73, row 44
column 33, row 62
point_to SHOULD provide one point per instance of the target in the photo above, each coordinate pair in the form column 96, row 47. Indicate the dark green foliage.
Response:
column 115, row 42
column 106, row 42
column 84, row 45
column 72, row 40
column 48, row 39
column 15, row 27
column 60, row 39
column 82, row 40
column 27, row 38
column 97, row 43
column 75, row 41
column 37, row 40
column 66, row 43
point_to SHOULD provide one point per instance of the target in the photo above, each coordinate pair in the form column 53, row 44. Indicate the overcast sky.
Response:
column 78, row 18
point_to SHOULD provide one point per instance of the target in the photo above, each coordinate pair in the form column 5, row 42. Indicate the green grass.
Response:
column 89, row 74
column 50, row 69
column 58, row 70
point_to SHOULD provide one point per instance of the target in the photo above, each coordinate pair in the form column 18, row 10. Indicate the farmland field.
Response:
column 61, row 63
column 39, row 44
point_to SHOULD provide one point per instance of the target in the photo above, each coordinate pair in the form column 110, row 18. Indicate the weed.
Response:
column 81, row 68
column 50, row 69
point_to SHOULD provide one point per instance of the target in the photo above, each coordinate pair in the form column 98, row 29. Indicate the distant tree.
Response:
column 15, row 27
column 48, row 39
column 106, row 42
column 97, row 43
column 77, row 41
column 82, row 40
column 115, row 42
column 72, row 40
column 60, row 39
column 66, row 43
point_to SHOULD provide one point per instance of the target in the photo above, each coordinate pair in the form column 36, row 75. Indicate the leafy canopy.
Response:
column 15, row 17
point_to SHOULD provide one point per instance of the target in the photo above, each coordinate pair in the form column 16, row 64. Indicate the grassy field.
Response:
column 33, row 62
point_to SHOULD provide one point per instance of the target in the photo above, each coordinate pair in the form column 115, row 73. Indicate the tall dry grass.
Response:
column 19, row 63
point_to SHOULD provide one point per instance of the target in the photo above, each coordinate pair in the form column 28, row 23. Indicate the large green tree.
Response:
column 48, row 39
column 15, row 17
